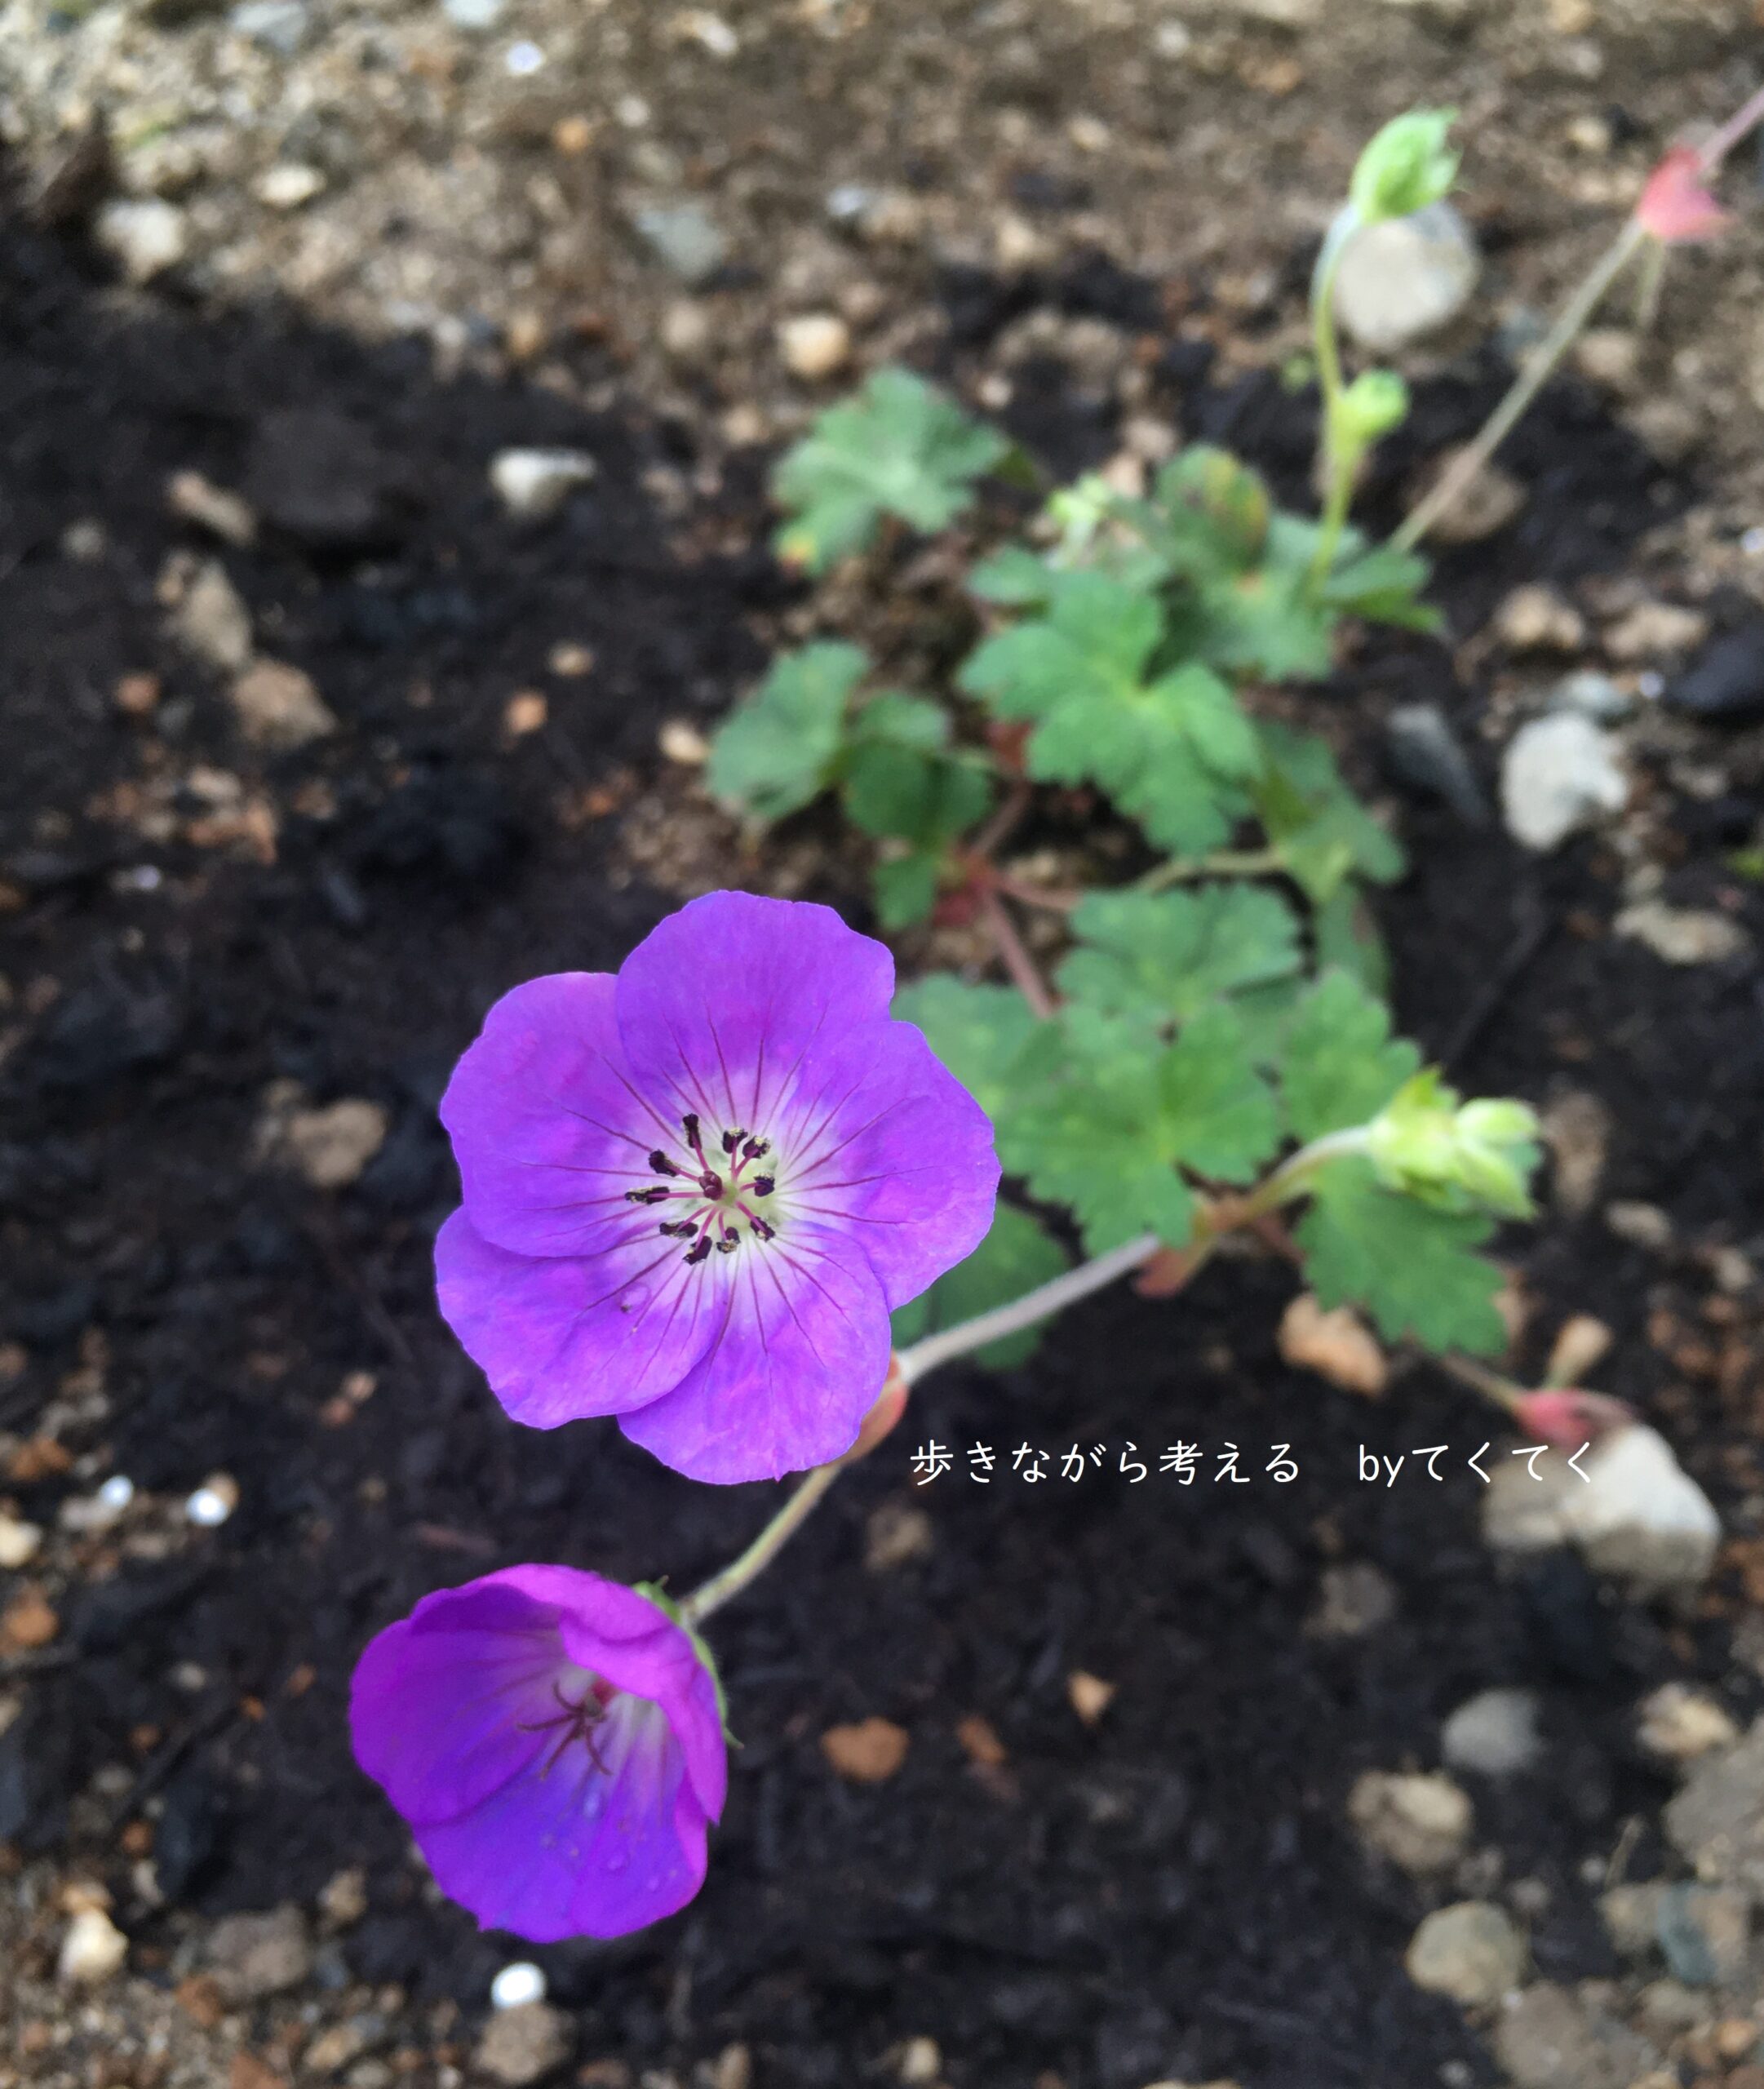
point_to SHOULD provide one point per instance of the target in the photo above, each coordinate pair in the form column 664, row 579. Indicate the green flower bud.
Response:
column 1407, row 166
column 1374, row 403
column 1424, row 1144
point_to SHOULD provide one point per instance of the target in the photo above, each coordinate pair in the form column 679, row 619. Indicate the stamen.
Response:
column 731, row 1139
column 728, row 1243
column 691, row 1123
column 763, row 1186
column 699, row 1249
column 761, row 1230
column 662, row 1165
column 655, row 1196
column 712, row 1183
column 756, row 1149
column 680, row 1229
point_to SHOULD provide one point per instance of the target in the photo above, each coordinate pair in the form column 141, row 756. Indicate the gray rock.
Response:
column 474, row 15
column 253, row 1956
column 1725, row 682
column 1559, row 775
column 1631, row 1916
column 1494, row 1733
column 279, row 707
column 525, row 2044
column 211, row 620
column 1593, row 696
column 1705, row 1933
column 534, row 483
column 145, row 235
column 1353, row 1598
column 1678, row 1724
column 1716, row 1821
column 1470, row 1951
column 1422, row 1823
column 1547, row 2038
column 1425, row 752
column 683, row 237
column 1406, row 278
column 281, row 26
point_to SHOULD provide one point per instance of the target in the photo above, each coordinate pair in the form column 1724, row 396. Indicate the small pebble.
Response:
column 288, row 184
column 1088, row 1695
column 1494, row 1733
column 20, row 1543
column 212, row 1503
column 1492, row 499
column 684, row 238
column 1353, row 1598
column 1424, row 752
column 93, row 1949
column 227, row 516
column 534, row 484
column 1559, row 773
column 1683, row 935
column 1639, row 1225
column 279, row 707
column 1421, row 1822
column 1677, row 1723
column 1725, row 682
column 814, row 345
column 522, row 59
column 1406, row 278
column 517, row 1984
column 866, row 1752
column 146, row 236
column 684, row 743
column 1336, row 1345
column 210, row 619
column 1535, row 620
column 474, row 17
column 1653, row 628
column 1470, row 1951
column 1583, row 1343
column 524, row 2044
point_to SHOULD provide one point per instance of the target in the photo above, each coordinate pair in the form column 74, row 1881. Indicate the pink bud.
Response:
column 1567, row 1417
column 1676, row 206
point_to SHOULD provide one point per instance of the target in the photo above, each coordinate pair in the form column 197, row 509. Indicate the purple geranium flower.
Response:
column 554, row 1740
column 693, row 1192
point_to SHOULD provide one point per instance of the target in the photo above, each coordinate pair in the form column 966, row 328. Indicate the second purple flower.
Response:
column 694, row 1191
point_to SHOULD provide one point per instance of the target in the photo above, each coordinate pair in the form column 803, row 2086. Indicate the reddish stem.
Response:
column 1017, row 962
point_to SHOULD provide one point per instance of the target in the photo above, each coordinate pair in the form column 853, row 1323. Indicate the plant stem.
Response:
column 749, row 1565
column 1338, row 469
column 920, row 1357
column 1221, row 863
column 1017, row 961
column 1054, row 900
column 1453, row 483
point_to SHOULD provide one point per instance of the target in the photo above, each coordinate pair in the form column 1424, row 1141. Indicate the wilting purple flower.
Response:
column 693, row 1192
column 554, row 1740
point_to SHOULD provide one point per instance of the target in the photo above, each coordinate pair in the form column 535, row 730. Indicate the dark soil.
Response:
column 1172, row 1893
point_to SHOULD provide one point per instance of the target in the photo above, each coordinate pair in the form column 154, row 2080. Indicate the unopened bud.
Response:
column 1405, row 167
column 1374, row 403
column 1566, row 1417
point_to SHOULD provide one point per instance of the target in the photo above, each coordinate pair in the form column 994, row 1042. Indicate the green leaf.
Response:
column 1408, row 1264
column 982, row 1034
column 1383, row 586
column 892, row 717
column 1013, row 576
column 1321, row 830
column 1340, row 1065
column 899, row 449
column 1016, row 1255
column 1106, row 1130
column 1346, row 937
column 904, row 888
column 1172, row 750
column 1406, row 165
column 928, row 800
column 1164, row 954
column 780, row 747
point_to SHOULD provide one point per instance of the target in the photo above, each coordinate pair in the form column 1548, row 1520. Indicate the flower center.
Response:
column 584, row 1700
column 711, row 1194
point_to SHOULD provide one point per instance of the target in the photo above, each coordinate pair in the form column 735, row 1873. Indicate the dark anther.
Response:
column 691, row 1123
column 762, row 1185
column 679, row 1228
column 711, row 1182
column 661, row 1165
column 728, row 1243
column 731, row 1139
column 754, row 1148
column 647, row 1196
column 762, row 1231
column 697, row 1252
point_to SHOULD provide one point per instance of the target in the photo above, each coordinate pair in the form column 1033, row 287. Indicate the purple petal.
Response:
column 570, row 1848
column 560, row 1337
column 549, row 1129
column 794, row 1367
column 718, row 1005
column 437, row 1700
column 884, row 1143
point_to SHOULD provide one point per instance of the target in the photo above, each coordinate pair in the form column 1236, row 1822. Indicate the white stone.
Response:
column 518, row 1982
column 1422, row 1823
column 814, row 344
column 1683, row 935
column 1677, row 1723
column 211, row 621
column 146, row 235
column 1559, row 773
column 1470, row 1951
column 93, row 1949
column 1406, row 278
column 534, row 484
column 19, row 1542
column 279, row 707
column 288, row 184
column 1494, row 1732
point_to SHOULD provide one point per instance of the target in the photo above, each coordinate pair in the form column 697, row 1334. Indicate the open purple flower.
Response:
column 694, row 1192
column 554, row 1740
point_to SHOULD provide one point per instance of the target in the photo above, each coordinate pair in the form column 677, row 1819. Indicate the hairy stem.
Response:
column 1221, row 863
column 748, row 1566
column 1338, row 469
